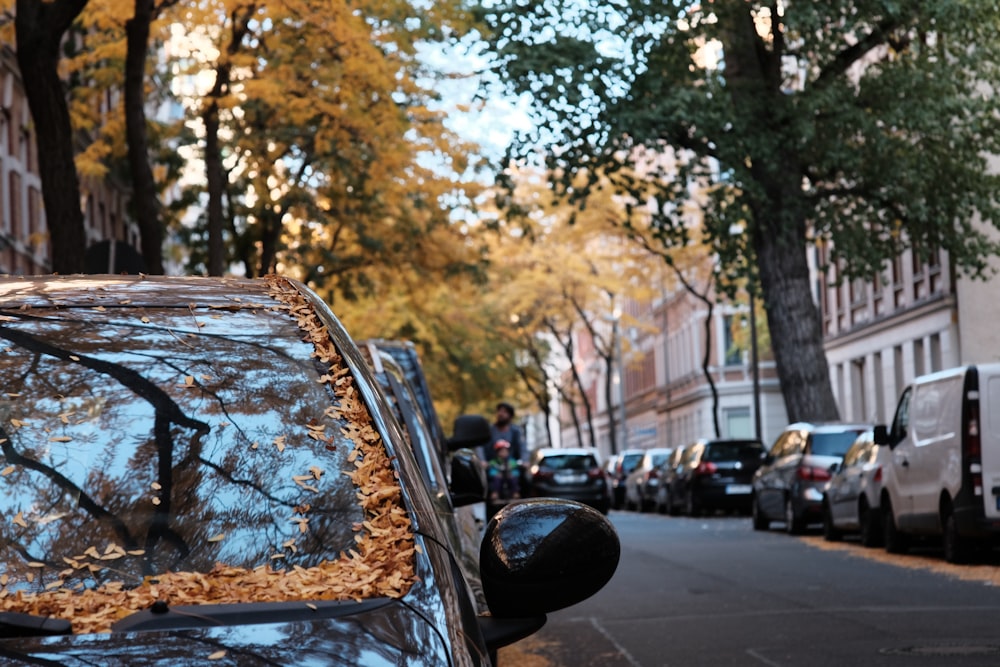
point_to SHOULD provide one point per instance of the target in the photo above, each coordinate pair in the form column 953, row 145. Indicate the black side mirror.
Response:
column 470, row 431
column 468, row 478
column 544, row 554
column 880, row 435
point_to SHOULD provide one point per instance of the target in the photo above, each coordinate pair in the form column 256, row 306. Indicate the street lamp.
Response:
column 616, row 335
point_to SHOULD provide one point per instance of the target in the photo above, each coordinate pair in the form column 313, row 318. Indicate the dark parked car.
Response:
column 715, row 475
column 202, row 470
column 574, row 473
column 625, row 464
column 851, row 499
column 669, row 471
column 642, row 482
column 788, row 487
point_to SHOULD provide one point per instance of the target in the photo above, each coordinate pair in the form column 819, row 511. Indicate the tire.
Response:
column 692, row 507
column 830, row 532
column 957, row 549
column 871, row 525
column 894, row 541
column 760, row 522
column 672, row 509
column 794, row 525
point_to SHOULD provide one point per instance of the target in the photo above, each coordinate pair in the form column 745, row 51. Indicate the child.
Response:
column 502, row 472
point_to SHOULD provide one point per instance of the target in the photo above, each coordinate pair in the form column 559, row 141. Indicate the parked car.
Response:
column 574, row 473
column 669, row 470
column 851, row 498
column 204, row 470
column 625, row 464
column 715, row 475
column 942, row 477
column 788, row 486
column 453, row 507
column 642, row 482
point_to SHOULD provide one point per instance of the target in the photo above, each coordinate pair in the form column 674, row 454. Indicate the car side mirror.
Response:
column 543, row 554
column 880, row 435
column 470, row 431
column 835, row 467
column 468, row 479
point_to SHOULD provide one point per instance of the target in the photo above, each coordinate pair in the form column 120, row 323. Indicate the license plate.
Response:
column 738, row 489
column 569, row 478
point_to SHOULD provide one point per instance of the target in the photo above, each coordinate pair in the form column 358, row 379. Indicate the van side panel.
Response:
column 989, row 410
column 935, row 460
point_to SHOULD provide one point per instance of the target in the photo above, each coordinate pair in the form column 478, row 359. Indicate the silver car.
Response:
column 851, row 500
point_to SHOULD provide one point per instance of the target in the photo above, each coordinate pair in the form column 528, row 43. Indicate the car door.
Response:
column 846, row 484
column 898, row 483
column 769, row 486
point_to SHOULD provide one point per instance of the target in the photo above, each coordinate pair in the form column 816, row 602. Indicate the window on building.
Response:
column 733, row 355
column 737, row 422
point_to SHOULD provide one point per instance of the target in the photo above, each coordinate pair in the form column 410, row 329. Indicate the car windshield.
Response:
column 143, row 445
column 832, row 443
column 660, row 459
column 569, row 462
column 734, row 451
column 630, row 461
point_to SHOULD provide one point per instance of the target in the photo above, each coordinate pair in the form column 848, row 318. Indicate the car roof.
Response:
column 560, row 451
column 827, row 427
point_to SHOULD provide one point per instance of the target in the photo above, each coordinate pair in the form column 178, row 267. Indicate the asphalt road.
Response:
column 714, row 592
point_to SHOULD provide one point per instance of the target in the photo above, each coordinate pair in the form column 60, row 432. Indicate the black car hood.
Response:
column 387, row 634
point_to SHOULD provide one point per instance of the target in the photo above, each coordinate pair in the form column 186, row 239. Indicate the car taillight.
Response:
column 973, row 444
column 543, row 474
column 877, row 477
column 652, row 474
column 706, row 468
column 595, row 473
column 813, row 473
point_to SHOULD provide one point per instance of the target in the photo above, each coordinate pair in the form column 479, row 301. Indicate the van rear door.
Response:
column 989, row 411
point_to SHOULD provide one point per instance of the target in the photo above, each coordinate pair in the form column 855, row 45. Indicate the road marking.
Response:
column 757, row 656
column 621, row 649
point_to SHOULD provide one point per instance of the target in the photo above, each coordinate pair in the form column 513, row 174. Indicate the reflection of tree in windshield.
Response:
column 138, row 442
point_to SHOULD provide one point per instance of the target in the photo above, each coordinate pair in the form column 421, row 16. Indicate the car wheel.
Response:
column 830, row 532
column 871, row 526
column 957, row 549
column 693, row 508
column 794, row 525
column 894, row 541
column 760, row 522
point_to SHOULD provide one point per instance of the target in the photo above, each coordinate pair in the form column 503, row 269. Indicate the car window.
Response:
column 902, row 419
column 832, row 443
column 569, row 462
column 630, row 461
column 658, row 459
column 734, row 451
column 157, row 444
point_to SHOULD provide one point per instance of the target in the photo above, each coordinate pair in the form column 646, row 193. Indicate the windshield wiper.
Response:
column 15, row 624
column 161, row 616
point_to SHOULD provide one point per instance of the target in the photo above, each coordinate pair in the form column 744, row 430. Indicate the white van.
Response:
column 942, row 477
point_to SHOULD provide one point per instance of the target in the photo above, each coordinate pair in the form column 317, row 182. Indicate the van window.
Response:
column 902, row 419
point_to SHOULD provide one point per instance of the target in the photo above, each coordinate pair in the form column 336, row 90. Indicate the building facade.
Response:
column 24, row 245
column 668, row 399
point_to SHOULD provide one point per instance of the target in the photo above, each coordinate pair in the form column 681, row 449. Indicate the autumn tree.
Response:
column 335, row 157
column 864, row 124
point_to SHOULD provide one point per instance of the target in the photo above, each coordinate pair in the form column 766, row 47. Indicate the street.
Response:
column 714, row 592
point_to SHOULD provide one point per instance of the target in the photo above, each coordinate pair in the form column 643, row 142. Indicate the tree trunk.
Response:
column 215, row 182
column 40, row 27
column 144, row 199
column 794, row 321
column 778, row 229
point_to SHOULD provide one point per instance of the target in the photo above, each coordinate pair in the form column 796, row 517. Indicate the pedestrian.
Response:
column 502, row 473
column 504, row 428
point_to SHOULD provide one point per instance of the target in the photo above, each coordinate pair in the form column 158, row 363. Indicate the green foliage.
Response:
column 862, row 122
